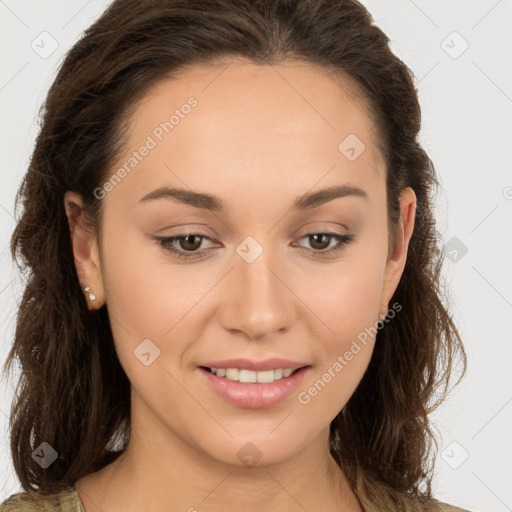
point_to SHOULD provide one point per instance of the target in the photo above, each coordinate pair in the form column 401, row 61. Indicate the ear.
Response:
column 398, row 254
column 85, row 251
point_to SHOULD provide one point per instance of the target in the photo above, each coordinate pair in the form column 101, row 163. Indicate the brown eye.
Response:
column 190, row 242
column 320, row 241
column 187, row 245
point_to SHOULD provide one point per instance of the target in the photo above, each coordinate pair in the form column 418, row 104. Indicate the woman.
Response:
column 234, row 295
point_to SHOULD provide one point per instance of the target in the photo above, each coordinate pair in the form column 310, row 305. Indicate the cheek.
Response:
column 349, row 306
column 344, row 354
column 150, row 298
column 145, row 294
column 348, row 299
column 351, row 290
column 351, row 300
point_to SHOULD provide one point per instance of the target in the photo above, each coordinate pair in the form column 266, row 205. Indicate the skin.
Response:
column 266, row 135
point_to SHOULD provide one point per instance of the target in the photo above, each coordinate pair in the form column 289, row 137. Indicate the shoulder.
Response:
column 446, row 507
column 34, row 501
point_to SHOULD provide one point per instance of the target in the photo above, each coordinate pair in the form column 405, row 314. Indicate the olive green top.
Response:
column 65, row 501
column 69, row 501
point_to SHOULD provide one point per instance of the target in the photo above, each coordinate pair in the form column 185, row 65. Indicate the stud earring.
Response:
column 89, row 295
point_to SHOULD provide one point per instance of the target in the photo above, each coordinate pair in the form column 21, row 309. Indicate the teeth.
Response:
column 263, row 377
column 232, row 373
column 246, row 376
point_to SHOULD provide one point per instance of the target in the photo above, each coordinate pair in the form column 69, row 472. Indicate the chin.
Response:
column 255, row 449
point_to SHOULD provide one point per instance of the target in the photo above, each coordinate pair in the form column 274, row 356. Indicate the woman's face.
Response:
column 254, row 284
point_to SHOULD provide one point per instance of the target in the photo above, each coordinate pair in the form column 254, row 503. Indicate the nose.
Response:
column 256, row 299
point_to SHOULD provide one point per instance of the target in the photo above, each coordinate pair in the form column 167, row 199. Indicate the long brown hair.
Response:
column 72, row 392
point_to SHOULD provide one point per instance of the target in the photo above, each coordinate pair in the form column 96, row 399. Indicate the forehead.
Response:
column 254, row 122
column 237, row 93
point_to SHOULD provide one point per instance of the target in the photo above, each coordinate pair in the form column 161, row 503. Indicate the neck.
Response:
column 156, row 472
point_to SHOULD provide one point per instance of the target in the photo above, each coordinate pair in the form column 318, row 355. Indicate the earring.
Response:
column 88, row 295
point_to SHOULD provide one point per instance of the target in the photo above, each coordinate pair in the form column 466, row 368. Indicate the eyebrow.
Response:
column 214, row 204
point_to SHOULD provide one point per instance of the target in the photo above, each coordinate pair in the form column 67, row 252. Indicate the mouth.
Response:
column 253, row 389
column 252, row 376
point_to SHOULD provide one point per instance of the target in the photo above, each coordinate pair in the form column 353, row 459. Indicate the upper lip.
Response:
column 247, row 364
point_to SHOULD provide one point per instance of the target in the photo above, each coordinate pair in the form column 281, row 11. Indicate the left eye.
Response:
column 190, row 243
column 319, row 239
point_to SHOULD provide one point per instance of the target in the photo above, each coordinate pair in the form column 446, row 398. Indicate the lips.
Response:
column 257, row 366
column 252, row 394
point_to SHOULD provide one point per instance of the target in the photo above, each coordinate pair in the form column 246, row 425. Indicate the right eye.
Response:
column 189, row 242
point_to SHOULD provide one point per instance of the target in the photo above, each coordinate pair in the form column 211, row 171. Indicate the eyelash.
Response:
column 166, row 244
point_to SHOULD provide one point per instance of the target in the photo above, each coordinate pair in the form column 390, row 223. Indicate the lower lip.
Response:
column 255, row 395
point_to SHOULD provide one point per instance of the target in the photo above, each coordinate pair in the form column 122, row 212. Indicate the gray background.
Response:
column 466, row 98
